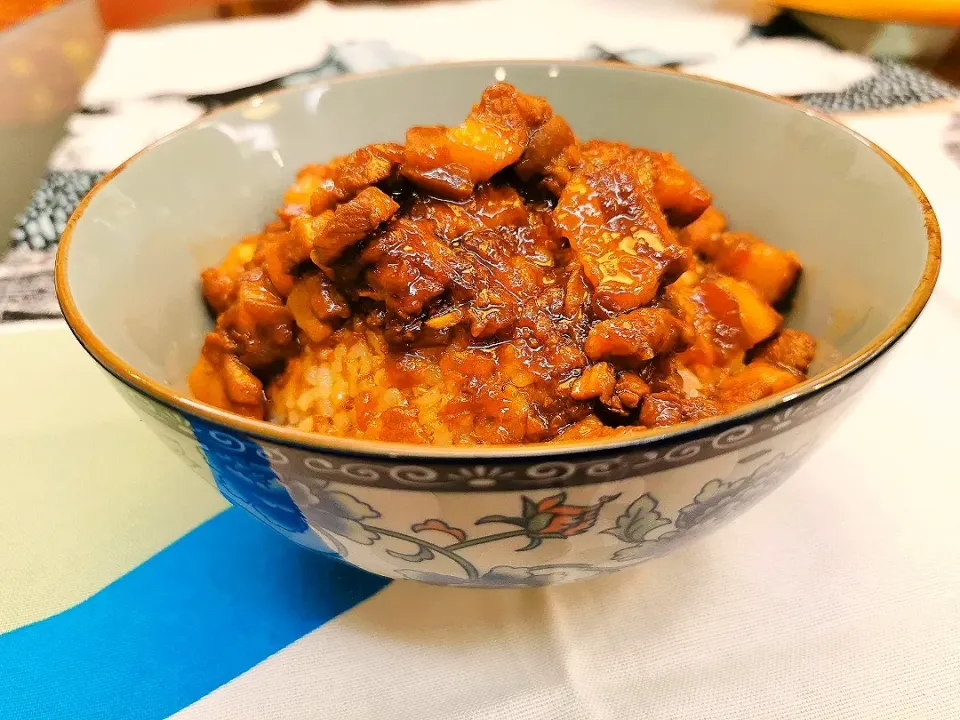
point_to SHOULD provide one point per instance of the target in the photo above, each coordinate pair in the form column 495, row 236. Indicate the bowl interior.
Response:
column 136, row 252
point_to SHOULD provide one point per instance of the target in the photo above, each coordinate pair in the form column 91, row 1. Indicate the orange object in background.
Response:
column 15, row 11
column 120, row 14
column 916, row 12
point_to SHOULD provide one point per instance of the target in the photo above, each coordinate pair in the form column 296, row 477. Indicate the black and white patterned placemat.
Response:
column 896, row 85
column 26, row 272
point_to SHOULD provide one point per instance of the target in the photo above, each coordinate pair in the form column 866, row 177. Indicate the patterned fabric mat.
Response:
column 26, row 273
column 896, row 85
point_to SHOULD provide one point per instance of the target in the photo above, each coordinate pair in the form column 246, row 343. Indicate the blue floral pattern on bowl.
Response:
column 244, row 476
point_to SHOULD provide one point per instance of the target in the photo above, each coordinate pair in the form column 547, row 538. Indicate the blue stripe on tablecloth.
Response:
column 202, row 611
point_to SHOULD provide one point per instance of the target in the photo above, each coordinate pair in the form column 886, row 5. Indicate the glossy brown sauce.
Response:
column 497, row 282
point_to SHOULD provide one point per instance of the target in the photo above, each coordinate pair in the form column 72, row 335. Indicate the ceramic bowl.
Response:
column 127, row 278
